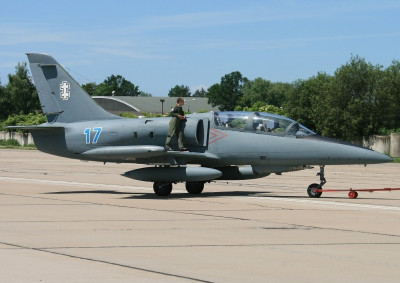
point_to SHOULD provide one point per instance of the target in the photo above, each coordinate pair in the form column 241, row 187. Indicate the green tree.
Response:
column 352, row 106
column 25, row 119
column 265, row 91
column 200, row 93
column 388, row 108
column 262, row 107
column 179, row 91
column 90, row 88
column 255, row 91
column 272, row 109
column 5, row 104
column 118, row 86
column 278, row 93
column 228, row 93
column 306, row 101
column 144, row 94
column 20, row 94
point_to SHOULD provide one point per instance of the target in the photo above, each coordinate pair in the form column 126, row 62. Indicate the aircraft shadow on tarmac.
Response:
column 202, row 195
column 150, row 195
column 110, row 192
column 236, row 194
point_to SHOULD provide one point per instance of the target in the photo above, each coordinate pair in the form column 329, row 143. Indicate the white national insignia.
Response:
column 65, row 90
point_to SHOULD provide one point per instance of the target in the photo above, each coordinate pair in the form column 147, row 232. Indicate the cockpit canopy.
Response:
column 260, row 122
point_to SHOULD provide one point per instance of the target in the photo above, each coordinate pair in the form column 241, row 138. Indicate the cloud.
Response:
column 266, row 12
column 11, row 34
column 203, row 19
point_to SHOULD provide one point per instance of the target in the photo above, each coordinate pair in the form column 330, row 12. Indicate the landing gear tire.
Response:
column 162, row 189
column 194, row 188
column 311, row 188
column 311, row 191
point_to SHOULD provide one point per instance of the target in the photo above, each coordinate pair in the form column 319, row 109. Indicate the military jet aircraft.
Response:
column 221, row 145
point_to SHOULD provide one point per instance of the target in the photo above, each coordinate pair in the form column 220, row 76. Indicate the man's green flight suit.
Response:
column 176, row 127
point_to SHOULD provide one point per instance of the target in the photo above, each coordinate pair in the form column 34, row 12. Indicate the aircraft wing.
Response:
column 144, row 151
column 191, row 154
column 128, row 151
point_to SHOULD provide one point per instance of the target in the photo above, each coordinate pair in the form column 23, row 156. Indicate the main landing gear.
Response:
column 194, row 188
column 164, row 189
column 314, row 190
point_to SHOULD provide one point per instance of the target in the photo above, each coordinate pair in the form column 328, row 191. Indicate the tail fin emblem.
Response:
column 65, row 90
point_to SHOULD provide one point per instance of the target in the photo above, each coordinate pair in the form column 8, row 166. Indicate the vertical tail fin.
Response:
column 61, row 97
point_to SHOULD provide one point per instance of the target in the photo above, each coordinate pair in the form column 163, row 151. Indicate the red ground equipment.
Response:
column 353, row 193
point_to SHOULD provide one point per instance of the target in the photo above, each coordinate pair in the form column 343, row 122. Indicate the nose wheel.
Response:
column 315, row 190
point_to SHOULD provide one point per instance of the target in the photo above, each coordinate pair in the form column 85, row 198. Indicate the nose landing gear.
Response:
column 315, row 190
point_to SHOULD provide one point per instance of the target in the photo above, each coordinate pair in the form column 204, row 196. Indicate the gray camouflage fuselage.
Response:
column 227, row 145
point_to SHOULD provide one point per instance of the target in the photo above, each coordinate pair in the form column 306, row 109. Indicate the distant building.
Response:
column 138, row 105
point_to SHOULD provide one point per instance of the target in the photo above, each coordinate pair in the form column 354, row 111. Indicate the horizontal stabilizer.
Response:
column 35, row 128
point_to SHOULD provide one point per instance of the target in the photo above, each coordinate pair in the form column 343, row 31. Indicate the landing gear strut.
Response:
column 313, row 190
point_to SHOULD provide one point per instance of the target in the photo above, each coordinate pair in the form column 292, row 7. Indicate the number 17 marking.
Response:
column 96, row 136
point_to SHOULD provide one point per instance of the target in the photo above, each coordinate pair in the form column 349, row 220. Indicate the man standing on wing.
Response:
column 176, row 125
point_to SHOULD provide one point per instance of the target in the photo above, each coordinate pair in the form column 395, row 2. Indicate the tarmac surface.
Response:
column 64, row 220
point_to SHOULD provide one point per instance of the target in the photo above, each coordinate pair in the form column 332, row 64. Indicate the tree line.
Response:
column 360, row 99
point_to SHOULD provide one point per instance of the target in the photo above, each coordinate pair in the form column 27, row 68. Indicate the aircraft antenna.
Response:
column 82, row 76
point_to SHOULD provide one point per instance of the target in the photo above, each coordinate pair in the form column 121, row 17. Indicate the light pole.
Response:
column 162, row 106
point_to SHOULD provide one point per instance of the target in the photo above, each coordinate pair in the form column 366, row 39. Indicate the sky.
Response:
column 158, row 44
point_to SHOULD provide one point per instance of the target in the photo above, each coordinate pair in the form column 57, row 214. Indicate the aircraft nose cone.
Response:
column 335, row 152
column 380, row 157
column 367, row 156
